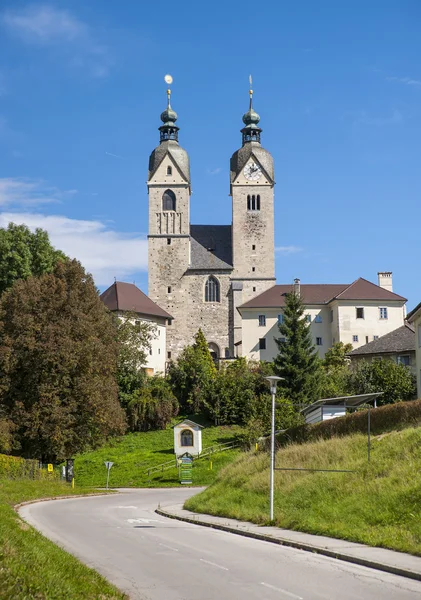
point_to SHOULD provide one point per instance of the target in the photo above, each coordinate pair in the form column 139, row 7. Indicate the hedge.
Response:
column 13, row 467
column 385, row 418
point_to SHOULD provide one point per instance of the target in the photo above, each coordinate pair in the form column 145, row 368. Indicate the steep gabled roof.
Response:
column 127, row 297
column 211, row 247
column 414, row 313
column 401, row 339
column 323, row 293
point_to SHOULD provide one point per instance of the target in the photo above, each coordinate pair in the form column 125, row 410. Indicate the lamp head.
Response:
column 273, row 380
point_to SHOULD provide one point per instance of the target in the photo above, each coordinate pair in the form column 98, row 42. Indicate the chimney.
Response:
column 297, row 287
column 385, row 280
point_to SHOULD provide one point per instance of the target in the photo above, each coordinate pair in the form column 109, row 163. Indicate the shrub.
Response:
column 13, row 467
column 382, row 419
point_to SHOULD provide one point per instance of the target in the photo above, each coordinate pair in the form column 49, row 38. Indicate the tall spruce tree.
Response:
column 297, row 360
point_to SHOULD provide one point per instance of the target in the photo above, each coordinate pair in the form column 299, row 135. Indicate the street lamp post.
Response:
column 273, row 380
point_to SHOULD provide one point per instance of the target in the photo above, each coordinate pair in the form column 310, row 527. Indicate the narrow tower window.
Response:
column 253, row 202
column 248, row 203
column 168, row 200
column 212, row 290
column 169, row 170
column 258, row 202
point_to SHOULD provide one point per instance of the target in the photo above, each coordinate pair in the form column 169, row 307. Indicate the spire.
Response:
column 169, row 130
column 251, row 132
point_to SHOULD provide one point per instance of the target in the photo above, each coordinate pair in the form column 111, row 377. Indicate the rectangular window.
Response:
column 150, row 351
column 169, row 322
column 366, row 339
column 262, row 320
column 404, row 360
column 168, row 241
column 359, row 313
column 319, row 341
column 169, row 289
column 262, row 344
column 331, row 316
column 355, row 338
column 318, row 318
column 253, row 269
column 169, row 355
column 159, row 350
column 282, row 339
column 253, row 247
column 383, row 313
column 280, row 319
column 227, row 352
column 254, row 289
column 308, row 318
column 375, row 337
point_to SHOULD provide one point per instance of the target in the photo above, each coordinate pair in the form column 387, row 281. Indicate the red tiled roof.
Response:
column 127, row 297
column 322, row 293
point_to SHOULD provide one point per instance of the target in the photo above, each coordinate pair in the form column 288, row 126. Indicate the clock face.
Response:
column 252, row 171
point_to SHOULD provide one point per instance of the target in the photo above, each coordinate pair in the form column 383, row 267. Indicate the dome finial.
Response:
column 169, row 131
column 251, row 131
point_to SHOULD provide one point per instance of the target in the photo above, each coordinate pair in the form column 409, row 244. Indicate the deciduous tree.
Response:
column 58, row 363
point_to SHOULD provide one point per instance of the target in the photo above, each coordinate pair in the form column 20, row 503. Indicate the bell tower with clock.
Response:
column 252, row 191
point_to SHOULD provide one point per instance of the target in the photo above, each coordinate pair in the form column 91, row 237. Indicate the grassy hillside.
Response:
column 134, row 453
column 33, row 567
column 379, row 504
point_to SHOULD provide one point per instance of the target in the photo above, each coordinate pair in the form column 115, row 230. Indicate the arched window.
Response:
column 214, row 351
column 169, row 170
column 253, row 202
column 212, row 290
column 168, row 200
column 186, row 437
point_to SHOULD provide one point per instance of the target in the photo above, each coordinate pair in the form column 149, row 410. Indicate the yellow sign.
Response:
column 50, row 468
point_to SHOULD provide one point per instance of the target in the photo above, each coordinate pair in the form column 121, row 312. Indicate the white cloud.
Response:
column 287, row 250
column 214, row 171
column 46, row 25
column 16, row 191
column 102, row 251
column 405, row 81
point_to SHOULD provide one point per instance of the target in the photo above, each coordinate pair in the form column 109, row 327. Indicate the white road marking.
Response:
column 169, row 547
column 277, row 589
column 208, row 562
column 143, row 521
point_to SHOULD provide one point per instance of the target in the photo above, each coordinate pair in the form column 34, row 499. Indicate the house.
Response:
column 124, row 297
column 355, row 313
column 398, row 345
column 414, row 318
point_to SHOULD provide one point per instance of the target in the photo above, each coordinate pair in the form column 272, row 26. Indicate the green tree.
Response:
column 152, row 406
column 337, row 356
column 336, row 372
column 395, row 381
column 58, row 363
column 24, row 254
column 134, row 341
column 297, row 360
column 193, row 374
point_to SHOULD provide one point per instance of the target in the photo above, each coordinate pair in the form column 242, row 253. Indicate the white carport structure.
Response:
column 330, row 408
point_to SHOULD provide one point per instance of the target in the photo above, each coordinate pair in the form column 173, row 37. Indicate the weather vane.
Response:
column 168, row 80
column 251, row 90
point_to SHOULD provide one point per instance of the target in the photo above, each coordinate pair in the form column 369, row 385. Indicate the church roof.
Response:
column 179, row 155
column 127, row 297
column 211, row 247
column 401, row 339
column 316, row 293
column 241, row 156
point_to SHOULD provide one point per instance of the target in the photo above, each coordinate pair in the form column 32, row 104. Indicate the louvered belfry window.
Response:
column 168, row 200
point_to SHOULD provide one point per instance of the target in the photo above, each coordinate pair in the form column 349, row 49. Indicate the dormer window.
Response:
column 169, row 170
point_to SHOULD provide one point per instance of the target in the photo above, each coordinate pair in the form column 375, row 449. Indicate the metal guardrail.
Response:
column 209, row 451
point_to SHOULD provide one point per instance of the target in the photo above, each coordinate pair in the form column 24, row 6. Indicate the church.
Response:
column 201, row 274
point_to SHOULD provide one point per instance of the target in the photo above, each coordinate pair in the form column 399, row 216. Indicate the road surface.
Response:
column 154, row 558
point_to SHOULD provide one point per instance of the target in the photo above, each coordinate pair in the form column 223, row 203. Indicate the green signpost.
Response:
column 186, row 466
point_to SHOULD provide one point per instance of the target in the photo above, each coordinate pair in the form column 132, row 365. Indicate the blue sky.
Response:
column 337, row 85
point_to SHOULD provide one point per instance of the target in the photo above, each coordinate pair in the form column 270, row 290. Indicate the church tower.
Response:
column 252, row 191
column 169, row 216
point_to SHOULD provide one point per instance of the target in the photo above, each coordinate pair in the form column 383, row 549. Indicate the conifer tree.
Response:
column 297, row 360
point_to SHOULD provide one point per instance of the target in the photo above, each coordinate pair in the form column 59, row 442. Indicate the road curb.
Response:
column 298, row 545
column 16, row 507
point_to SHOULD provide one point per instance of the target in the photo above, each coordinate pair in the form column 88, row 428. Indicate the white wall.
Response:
column 341, row 329
column 197, row 440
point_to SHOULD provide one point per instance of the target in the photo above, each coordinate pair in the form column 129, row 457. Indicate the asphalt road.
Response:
column 154, row 558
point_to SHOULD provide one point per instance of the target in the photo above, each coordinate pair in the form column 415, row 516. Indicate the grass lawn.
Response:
column 32, row 567
column 134, row 453
column 378, row 505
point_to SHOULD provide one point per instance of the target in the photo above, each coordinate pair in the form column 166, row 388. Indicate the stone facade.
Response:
column 201, row 274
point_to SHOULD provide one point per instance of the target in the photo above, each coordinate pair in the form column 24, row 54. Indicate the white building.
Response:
column 122, row 298
column 188, row 438
column 355, row 313
column 414, row 317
